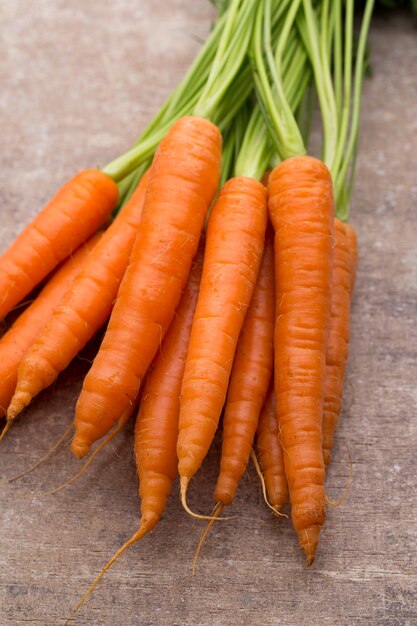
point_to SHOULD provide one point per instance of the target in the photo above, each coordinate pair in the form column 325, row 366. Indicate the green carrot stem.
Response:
column 342, row 197
column 278, row 115
column 337, row 57
column 257, row 148
column 347, row 87
column 308, row 27
column 230, row 54
column 228, row 153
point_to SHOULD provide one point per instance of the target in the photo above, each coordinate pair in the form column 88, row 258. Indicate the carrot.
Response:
column 28, row 326
column 157, row 421
column 183, row 180
column 234, row 245
column 270, row 453
column 69, row 219
column 344, row 267
column 352, row 240
column 301, row 209
column 84, row 309
column 157, row 424
column 249, row 380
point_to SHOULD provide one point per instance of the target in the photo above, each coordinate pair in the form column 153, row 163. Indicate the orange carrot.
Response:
column 249, row 380
column 344, row 267
column 183, row 180
column 234, row 245
column 84, row 309
column 270, row 453
column 301, row 208
column 69, row 219
column 157, row 422
column 353, row 247
column 18, row 339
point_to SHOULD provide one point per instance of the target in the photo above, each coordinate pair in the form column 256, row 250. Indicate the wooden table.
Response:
column 79, row 80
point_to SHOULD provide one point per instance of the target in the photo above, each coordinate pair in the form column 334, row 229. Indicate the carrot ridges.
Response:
column 301, row 209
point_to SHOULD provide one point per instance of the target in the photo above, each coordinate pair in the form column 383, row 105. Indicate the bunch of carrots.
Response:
column 225, row 276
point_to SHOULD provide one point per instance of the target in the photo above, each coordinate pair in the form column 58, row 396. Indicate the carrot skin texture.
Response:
column 270, row 453
column 70, row 218
column 85, row 307
column 183, row 180
column 21, row 335
column 249, row 380
column 352, row 240
column 301, row 209
column 234, row 245
column 156, row 429
column 343, row 278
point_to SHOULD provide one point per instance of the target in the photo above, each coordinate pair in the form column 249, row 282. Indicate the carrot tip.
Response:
column 184, row 482
column 79, row 449
column 274, row 507
column 104, row 443
column 309, row 540
column 16, row 407
column 5, row 429
column 136, row 537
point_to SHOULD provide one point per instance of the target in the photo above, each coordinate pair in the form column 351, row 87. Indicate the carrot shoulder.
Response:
column 183, row 180
column 29, row 325
column 249, row 380
column 85, row 307
column 234, row 245
column 301, row 209
column 343, row 278
column 73, row 215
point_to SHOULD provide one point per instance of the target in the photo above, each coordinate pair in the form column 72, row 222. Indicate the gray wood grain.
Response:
column 79, row 80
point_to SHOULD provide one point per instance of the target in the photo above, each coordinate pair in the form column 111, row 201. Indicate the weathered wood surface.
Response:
column 78, row 81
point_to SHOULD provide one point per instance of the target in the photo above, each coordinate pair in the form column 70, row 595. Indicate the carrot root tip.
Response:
column 79, row 449
column 20, row 401
column 274, row 507
column 103, row 444
column 139, row 534
column 309, row 540
column 6, row 428
column 184, row 482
